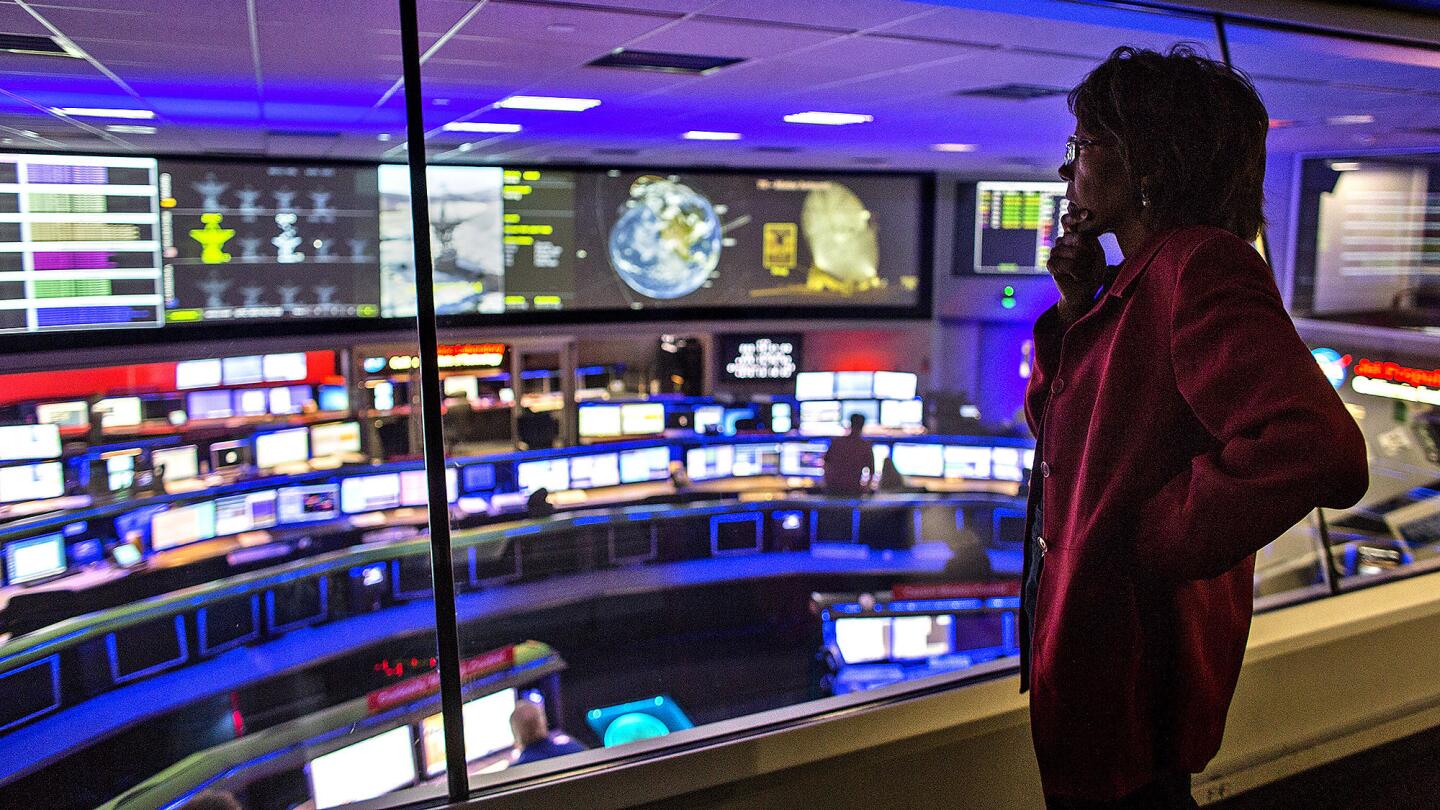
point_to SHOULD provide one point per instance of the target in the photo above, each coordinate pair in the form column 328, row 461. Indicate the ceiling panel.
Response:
column 845, row 14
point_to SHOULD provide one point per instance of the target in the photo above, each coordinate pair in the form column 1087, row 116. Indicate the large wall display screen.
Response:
column 1369, row 237
column 78, row 243
column 253, row 240
column 646, row 240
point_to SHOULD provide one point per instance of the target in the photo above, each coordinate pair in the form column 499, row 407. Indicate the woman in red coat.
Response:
column 1181, row 425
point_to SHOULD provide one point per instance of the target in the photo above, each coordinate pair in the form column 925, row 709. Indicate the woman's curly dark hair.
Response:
column 1190, row 131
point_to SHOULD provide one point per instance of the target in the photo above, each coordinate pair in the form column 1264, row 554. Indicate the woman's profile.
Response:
column 1181, row 424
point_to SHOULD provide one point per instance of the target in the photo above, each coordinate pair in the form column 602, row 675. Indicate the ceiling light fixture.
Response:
column 383, row 137
column 706, row 135
column 551, row 103
column 103, row 112
column 1341, row 120
column 954, row 147
column 131, row 129
column 828, row 118
column 480, row 126
column 1344, row 165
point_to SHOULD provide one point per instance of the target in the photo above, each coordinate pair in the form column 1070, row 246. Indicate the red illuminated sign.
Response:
column 1394, row 372
column 429, row 683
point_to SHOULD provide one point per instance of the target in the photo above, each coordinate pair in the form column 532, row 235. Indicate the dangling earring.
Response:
column 1144, row 199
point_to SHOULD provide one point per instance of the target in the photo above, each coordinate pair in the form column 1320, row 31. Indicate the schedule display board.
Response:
column 1007, row 227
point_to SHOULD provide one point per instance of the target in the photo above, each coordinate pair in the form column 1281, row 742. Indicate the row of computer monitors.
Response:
column 474, row 486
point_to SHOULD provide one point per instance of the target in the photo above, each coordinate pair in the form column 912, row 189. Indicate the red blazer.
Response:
column 1182, row 426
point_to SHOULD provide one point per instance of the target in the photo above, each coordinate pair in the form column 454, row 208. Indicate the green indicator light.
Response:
column 1009, row 291
column 1008, row 303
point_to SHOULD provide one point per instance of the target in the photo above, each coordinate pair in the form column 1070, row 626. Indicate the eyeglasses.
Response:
column 1073, row 145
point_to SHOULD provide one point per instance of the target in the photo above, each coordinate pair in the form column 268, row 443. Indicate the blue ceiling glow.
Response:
column 1133, row 19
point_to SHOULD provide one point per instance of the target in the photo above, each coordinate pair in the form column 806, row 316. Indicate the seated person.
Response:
column 538, row 504
column 892, row 481
column 850, row 462
column 532, row 735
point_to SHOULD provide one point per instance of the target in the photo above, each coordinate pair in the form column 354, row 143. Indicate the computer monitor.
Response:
column 478, row 477
column 863, row 639
column 756, row 459
column 235, row 514
column 227, row 456
column 334, row 398
column 119, row 411
column 642, row 418
column 815, row 385
column 599, row 420
column 182, row 525
column 334, row 439
column 868, row 408
column 645, row 464
column 243, row 370
column 487, row 730
column 707, row 419
column 34, row 559
column 29, row 442
column 365, row 770
column 462, row 386
column 126, row 555
column 1005, row 464
column 74, row 414
column 820, row 415
column 902, row 413
column 926, row 460
column 963, row 461
column 803, row 458
column 120, row 470
column 309, row 504
column 218, row 404
column 895, row 385
column 290, row 399
column 854, row 384
column 414, row 488
column 551, row 473
column 252, row 402
column 32, row 482
column 780, row 417
column 1016, row 225
column 282, row 447
column 707, row 463
column 637, row 720
column 588, row 472
column 286, row 367
column 921, row 636
column 370, row 493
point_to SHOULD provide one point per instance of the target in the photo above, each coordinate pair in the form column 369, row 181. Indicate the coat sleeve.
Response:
column 1044, row 360
column 1284, row 443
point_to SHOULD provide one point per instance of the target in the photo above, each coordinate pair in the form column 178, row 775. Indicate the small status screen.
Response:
column 1015, row 226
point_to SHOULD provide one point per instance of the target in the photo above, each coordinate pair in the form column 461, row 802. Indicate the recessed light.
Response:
column 465, row 147
column 954, row 147
column 383, row 137
column 103, row 112
column 553, row 103
column 1344, row 165
column 706, row 135
column 560, row 28
column 480, row 126
column 130, row 129
column 1341, row 120
column 441, row 102
column 828, row 118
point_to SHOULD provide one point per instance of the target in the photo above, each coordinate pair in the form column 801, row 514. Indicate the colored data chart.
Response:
column 78, row 243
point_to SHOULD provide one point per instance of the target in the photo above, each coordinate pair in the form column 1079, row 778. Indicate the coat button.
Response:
column 1044, row 469
column 1057, row 386
column 1040, row 541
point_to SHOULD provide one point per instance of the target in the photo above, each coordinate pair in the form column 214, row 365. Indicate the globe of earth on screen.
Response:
column 667, row 243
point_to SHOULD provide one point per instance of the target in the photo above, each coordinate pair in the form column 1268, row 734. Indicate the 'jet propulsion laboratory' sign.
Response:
column 758, row 358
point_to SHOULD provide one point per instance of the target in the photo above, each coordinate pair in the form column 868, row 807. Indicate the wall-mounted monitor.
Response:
column 75, row 414
column 282, row 447
column 28, row 442
column 180, row 463
column 364, row 770
column 896, row 384
column 1006, row 227
column 265, row 240
column 308, row 504
column 868, row 408
column 820, row 416
column 588, row 472
column 645, row 464
column 854, row 384
column 34, row 559
column 182, row 525
column 32, row 482
column 599, row 420
column 642, row 418
column 334, row 439
column 191, row 374
column 286, row 367
column 370, row 493
column 902, row 413
column 815, row 385
column 757, row 358
column 244, row 370
column 552, row 474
